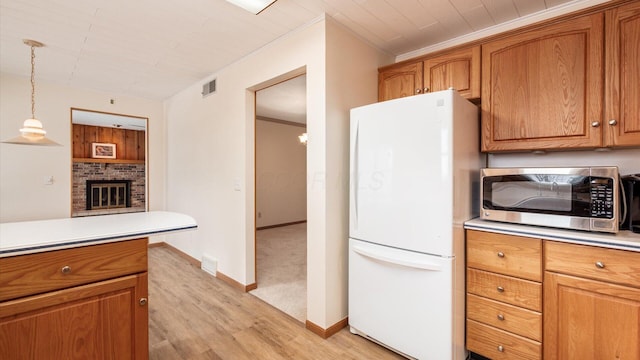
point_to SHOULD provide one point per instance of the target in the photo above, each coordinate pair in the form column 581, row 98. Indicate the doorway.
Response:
column 281, row 231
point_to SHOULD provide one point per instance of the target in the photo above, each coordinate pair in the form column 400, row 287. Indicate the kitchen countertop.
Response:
column 624, row 239
column 25, row 237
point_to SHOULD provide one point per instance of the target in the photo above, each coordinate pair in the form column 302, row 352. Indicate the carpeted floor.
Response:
column 281, row 255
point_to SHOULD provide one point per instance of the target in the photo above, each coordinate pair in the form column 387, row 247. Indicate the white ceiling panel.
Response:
column 477, row 17
column 153, row 49
column 501, row 10
column 526, row 7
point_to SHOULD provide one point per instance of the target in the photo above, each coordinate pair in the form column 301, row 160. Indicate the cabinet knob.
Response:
column 500, row 254
column 595, row 124
column 418, row 91
column 613, row 122
column 66, row 269
column 600, row 264
column 500, row 348
column 426, row 89
column 500, row 289
column 500, row 317
column 143, row 301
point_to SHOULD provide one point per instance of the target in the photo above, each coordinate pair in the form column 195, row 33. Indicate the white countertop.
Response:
column 26, row 237
column 625, row 239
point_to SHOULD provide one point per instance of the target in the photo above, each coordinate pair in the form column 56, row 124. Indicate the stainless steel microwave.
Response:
column 584, row 198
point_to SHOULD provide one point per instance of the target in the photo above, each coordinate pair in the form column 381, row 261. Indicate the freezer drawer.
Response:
column 405, row 301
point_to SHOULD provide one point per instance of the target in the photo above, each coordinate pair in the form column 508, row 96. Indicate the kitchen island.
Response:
column 77, row 288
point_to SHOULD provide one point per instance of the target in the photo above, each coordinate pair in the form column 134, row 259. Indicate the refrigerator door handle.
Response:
column 354, row 172
column 376, row 255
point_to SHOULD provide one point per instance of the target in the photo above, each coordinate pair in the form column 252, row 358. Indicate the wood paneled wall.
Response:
column 130, row 144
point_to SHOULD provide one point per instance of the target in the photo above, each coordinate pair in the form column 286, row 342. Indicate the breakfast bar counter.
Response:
column 26, row 237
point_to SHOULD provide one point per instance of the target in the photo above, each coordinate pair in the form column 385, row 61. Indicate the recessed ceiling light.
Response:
column 252, row 6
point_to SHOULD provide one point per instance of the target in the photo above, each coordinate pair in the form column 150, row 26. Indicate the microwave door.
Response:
column 539, row 193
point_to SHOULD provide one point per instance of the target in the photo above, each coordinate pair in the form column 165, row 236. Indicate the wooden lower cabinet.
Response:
column 590, row 296
column 498, row 344
column 591, row 303
column 504, row 296
column 105, row 319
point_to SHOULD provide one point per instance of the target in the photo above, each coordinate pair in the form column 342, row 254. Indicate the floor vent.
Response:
column 209, row 88
column 209, row 264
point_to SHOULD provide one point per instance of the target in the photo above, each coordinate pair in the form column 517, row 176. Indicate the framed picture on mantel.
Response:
column 103, row 150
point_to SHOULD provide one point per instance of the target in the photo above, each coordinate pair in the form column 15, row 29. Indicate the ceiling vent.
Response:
column 209, row 88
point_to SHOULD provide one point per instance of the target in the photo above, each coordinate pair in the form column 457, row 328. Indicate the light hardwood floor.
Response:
column 193, row 315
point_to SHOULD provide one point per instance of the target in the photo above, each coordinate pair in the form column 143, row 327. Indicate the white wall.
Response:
column 281, row 174
column 352, row 80
column 23, row 194
column 211, row 150
column 627, row 160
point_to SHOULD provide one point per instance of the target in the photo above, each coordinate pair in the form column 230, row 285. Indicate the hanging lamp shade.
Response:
column 32, row 132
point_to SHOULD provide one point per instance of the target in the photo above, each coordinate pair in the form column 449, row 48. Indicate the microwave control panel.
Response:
column 602, row 198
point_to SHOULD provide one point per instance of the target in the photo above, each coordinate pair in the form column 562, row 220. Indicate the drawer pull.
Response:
column 500, row 348
column 500, row 289
column 143, row 301
column 500, row 254
column 66, row 269
column 500, row 317
column 600, row 264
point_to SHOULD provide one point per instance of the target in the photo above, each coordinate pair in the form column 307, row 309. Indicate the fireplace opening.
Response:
column 108, row 194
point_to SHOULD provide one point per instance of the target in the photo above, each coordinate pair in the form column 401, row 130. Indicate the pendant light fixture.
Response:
column 32, row 132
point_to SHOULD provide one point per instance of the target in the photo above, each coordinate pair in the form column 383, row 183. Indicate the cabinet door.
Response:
column 588, row 319
column 103, row 320
column 622, row 81
column 543, row 89
column 459, row 69
column 397, row 82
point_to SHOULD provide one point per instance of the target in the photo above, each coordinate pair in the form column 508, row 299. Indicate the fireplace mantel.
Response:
column 107, row 161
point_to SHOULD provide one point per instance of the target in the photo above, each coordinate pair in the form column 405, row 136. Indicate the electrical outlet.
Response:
column 259, row 214
column 48, row 180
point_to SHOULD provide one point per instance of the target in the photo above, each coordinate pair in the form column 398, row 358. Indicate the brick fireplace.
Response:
column 106, row 188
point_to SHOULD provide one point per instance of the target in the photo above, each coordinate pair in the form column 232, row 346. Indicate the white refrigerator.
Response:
column 414, row 165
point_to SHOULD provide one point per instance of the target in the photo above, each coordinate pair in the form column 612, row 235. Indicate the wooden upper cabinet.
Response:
column 459, row 69
column 542, row 89
column 622, row 80
column 398, row 82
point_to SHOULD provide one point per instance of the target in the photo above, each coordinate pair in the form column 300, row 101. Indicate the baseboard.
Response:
column 182, row 254
column 198, row 264
column 281, row 225
column 235, row 284
column 326, row 333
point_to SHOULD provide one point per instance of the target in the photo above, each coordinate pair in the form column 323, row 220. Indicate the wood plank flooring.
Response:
column 193, row 315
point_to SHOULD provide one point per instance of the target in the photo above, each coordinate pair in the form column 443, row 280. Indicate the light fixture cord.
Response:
column 33, row 82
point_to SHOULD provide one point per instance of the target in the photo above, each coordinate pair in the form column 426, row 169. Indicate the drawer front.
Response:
column 506, row 317
column 500, row 345
column 514, row 291
column 506, row 254
column 610, row 265
column 42, row 272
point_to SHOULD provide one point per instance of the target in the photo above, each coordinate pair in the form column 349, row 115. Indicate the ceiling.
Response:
column 153, row 49
column 284, row 101
column 93, row 118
